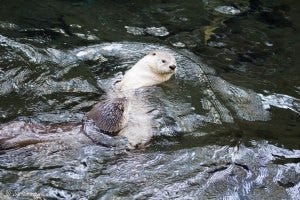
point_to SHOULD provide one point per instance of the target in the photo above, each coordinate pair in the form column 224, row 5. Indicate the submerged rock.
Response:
column 228, row 10
column 154, row 31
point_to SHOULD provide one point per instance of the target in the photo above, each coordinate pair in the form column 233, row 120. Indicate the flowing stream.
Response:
column 226, row 126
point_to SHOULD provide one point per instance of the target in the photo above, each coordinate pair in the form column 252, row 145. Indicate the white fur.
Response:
column 152, row 69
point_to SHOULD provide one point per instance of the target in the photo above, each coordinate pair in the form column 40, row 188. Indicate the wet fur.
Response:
column 125, row 111
column 109, row 115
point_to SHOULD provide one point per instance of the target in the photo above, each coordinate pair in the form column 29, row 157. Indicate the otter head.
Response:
column 153, row 69
column 161, row 62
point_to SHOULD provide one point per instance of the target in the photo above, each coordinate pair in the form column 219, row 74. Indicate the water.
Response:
column 226, row 126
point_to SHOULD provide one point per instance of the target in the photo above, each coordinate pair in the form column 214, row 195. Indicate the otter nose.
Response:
column 172, row 67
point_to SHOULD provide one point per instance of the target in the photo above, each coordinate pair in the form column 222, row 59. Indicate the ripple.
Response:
column 30, row 52
column 281, row 101
column 8, row 26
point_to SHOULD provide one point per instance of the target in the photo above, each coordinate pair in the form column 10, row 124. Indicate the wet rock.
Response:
column 228, row 10
column 178, row 44
column 135, row 30
column 157, row 31
column 154, row 31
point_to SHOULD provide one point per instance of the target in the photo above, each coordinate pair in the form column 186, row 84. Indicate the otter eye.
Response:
column 153, row 54
column 163, row 61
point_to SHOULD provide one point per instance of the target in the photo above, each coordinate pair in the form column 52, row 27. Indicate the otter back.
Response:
column 108, row 115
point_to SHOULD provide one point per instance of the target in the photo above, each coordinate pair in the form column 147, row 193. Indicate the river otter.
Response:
column 124, row 113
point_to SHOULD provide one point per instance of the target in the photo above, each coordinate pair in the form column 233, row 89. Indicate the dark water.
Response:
column 226, row 126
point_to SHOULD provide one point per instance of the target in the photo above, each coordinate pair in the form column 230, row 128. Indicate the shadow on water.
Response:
column 226, row 126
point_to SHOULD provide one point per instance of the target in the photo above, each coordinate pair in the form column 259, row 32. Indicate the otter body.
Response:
column 124, row 113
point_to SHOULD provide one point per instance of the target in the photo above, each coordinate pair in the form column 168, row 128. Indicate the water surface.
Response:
column 226, row 126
